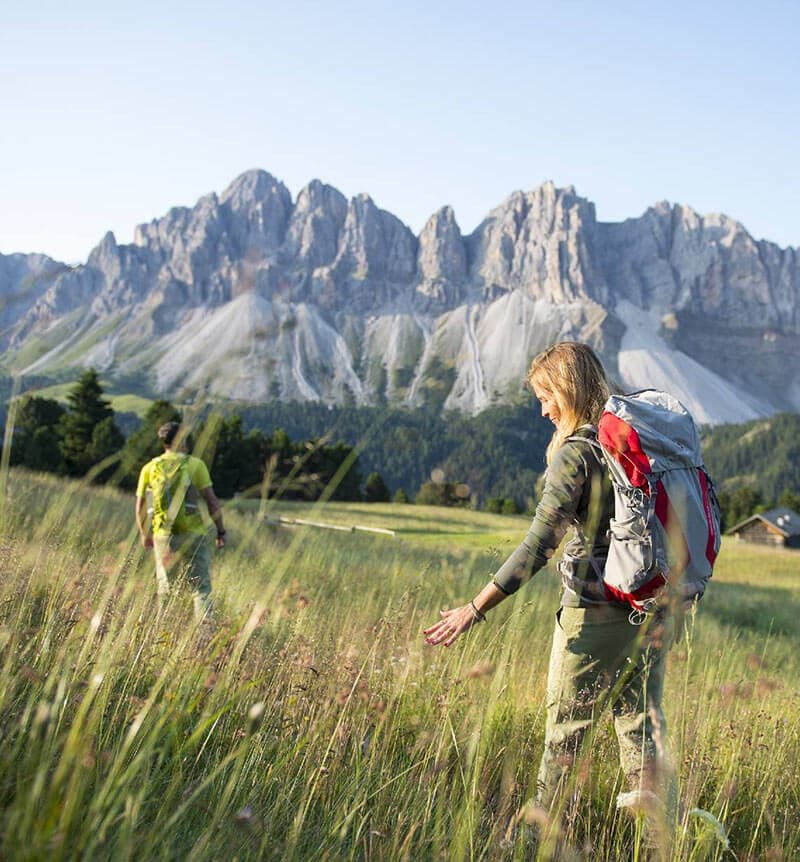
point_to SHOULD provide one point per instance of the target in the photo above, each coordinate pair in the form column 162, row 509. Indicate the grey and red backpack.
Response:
column 665, row 533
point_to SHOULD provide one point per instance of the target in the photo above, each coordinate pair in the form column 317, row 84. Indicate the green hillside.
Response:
column 763, row 455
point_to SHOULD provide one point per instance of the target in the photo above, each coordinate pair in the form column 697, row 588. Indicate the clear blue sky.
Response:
column 113, row 113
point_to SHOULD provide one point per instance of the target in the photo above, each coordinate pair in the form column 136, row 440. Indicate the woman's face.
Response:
column 549, row 407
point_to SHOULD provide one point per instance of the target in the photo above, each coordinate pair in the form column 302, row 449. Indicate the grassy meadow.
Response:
column 309, row 720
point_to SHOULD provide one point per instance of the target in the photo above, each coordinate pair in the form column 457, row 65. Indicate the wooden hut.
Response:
column 778, row 527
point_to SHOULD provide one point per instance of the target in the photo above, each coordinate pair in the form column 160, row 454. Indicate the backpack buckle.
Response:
column 639, row 616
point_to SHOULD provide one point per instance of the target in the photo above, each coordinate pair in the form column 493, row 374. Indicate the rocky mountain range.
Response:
column 251, row 295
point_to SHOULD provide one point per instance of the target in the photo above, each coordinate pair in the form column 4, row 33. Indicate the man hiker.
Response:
column 178, row 535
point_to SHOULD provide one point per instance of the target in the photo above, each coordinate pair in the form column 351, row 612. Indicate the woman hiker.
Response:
column 598, row 656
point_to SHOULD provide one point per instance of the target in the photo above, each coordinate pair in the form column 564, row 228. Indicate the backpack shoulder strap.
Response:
column 589, row 439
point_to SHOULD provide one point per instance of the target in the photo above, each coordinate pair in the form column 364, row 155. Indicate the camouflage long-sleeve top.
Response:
column 578, row 498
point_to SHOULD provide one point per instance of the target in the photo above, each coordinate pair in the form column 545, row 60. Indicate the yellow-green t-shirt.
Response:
column 191, row 521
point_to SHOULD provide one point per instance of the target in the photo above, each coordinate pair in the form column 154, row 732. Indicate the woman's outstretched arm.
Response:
column 458, row 620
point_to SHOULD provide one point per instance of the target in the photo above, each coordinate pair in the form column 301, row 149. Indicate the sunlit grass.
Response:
column 428, row 526
column 310, row 721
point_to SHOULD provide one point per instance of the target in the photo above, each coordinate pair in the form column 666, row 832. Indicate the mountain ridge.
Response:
column 251, row 294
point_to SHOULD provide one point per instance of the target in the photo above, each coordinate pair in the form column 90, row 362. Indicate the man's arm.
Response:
column 215, row 510
column 141, row 522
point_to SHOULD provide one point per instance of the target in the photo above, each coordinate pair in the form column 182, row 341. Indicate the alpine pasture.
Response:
column 309, row 720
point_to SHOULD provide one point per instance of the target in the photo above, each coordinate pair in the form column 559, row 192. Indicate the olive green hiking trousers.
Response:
column 600, row 660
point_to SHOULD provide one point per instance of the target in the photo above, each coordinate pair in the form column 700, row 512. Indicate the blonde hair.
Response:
column 573, row 375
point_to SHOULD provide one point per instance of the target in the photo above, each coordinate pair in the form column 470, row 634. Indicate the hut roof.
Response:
column 785, row 521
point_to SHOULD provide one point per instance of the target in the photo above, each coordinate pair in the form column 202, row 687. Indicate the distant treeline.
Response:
column 82, row 439
column 499, row 454
column 756, row 464
column 490, row 461
column 493, row 460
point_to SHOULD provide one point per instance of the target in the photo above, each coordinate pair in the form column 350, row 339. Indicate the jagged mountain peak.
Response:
column 104, row 251
column 716, row 224
column 252, row 185
column 545, row 195
column 317, row 192
column 444, row 219
column 442, row 262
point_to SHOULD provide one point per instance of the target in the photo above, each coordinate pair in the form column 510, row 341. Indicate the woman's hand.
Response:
column 456, row 621
column 453, row 623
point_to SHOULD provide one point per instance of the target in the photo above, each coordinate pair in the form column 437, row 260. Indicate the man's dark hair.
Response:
column 168, row 431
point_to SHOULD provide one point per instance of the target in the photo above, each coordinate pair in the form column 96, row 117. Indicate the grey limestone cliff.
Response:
column 251, row 295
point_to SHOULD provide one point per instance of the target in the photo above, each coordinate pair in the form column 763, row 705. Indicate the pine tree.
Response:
column 87, row 430
column 790, row 501
column 739, row 505
column 238, row 460
column 36, row 440
column 375, row 490
column 322, row 464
